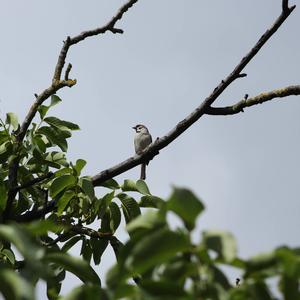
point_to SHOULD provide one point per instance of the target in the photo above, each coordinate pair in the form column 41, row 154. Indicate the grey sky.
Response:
column 171, row 56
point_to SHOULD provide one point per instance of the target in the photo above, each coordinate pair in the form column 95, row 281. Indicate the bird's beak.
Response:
column 134, row 127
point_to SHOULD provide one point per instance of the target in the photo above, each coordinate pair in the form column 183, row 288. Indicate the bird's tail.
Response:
column 143, row 171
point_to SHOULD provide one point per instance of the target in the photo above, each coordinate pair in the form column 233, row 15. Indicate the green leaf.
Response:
column 221, row 242
column 149, row 220
column 43, row 109
column 98, row 248
column 115, row 216
column 61, row 124
column 64, row 201
column 87, row 292
column 80, row 164
column 186, row 205
column 152, row 201
column 22, row 241
column 14, row 287
column 130, row 207
column 156, row 248
column 3, row 196
column 55, row 136
column 129, row 186
column 9, row 255
column 54, row 100
column 42, row 227
column 12, row 119
column 77, row 266
column 110, row 184
column 87, row 186
column 142, row 187
column 70, row 243
column 61, row 183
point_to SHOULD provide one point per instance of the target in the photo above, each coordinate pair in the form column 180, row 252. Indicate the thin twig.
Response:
column 164, row 141
column 259, row 99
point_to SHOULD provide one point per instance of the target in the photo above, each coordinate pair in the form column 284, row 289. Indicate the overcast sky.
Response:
column 172, row 55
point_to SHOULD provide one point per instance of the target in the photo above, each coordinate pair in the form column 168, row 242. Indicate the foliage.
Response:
column 156, row 262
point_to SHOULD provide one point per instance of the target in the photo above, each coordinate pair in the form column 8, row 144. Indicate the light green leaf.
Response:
column 142, row 187
column 80, row 164
column 77, row 266
column 221, row 242
column 12, row 119
column 43, row 109
column 186, row 205
column 149, row 220
column 156, row 248
column 61, row 183
column 129, row 186
column 55, row 100
column 10, row 255
column 64, row 201
column 14, row 287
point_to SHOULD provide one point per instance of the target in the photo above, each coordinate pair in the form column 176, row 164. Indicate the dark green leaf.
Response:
column 186, row 205
column 111, row 184
column 152, row 201
column 87, row 187
column 98, row 248
column 64, row 201
column 3, row 196
column 130, row 207
column 70, row 243
column 156, row 248
column 115, row 216
column 42, row 227
column 61, row 124
column 43, row 109
column 9, row 255
column 87, row 292
column 77, row 266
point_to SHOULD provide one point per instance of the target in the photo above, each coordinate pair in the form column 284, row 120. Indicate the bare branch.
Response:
column 259, row 99
column 68, row 70
column 285, row 5
column 183, row 125
column 76, row 39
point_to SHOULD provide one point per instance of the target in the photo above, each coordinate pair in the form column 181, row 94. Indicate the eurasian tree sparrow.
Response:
column 142, row 140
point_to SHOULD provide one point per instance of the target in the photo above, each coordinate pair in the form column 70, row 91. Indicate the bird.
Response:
column 142, row 140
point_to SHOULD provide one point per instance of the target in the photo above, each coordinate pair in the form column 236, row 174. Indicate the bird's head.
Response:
column 140, row 128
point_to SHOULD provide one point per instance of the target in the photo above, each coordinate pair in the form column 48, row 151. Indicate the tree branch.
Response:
column 164, row 141
column 33, row 181
column 259, row 99
column 76, row 39
column 57, row 84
